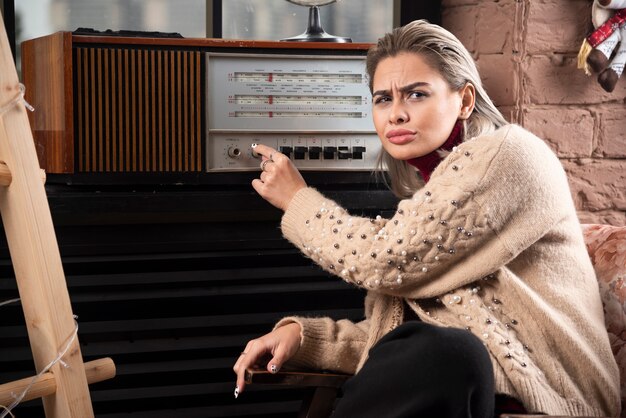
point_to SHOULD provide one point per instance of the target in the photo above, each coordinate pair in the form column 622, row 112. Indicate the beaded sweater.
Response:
column 491, row 244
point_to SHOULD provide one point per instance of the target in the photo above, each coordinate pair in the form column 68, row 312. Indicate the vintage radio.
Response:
column 110, row 105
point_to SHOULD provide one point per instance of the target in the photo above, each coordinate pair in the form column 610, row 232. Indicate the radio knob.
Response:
column 255, row 154
column 329, row 153
column 314, row 153
column 299, row 152
column 234, row 152
column 357, row 153
column 343, row 153
column 286, row 150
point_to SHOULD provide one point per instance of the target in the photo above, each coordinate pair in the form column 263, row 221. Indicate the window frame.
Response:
column 404, row 12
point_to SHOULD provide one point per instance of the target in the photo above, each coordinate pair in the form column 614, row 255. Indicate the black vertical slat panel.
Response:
column 171, row 284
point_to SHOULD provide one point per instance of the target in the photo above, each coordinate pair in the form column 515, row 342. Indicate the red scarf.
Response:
column 426, row 164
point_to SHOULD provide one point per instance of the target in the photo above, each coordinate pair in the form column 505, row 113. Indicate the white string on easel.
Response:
column 7, row 410
column 19, row 98
column 57, row 359
column 6, row 302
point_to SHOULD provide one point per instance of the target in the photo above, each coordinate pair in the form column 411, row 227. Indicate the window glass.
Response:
column 42, row 17
column 34, row 18
column 361, row 20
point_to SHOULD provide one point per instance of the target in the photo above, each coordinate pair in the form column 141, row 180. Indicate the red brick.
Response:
column 498, row 74
column 597, row 184
column 569, row 132
column 557, row 25
column 612, row 133
column 509, row 113
column 461, row 21
column 496, row 25
column 556, row 80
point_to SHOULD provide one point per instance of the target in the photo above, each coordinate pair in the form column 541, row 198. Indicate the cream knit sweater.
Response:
column 491, row 244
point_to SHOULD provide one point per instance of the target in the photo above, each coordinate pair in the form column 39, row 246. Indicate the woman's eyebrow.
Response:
column 402, row 89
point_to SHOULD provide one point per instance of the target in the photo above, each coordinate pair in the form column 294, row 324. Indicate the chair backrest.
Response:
column 606, row 245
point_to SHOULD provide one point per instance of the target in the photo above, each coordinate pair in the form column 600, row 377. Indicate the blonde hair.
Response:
column 446, row 54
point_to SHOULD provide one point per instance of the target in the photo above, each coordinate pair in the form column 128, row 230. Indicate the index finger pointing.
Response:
column 264, row 150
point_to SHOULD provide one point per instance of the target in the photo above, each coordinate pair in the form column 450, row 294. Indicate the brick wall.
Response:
column 526, row 52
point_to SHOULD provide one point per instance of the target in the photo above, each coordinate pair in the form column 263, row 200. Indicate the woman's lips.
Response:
column 400, row 136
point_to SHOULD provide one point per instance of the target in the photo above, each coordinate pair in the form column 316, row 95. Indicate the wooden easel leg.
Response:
column 35, row 254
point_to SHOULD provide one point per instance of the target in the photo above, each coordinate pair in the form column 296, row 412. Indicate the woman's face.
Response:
column 414, row 109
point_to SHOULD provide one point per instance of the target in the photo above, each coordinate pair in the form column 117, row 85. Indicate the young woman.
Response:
column 480, row 291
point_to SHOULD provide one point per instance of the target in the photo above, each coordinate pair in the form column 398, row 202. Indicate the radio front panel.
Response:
column 314, row 109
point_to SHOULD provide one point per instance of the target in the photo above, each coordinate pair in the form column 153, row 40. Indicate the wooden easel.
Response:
column 37, row 265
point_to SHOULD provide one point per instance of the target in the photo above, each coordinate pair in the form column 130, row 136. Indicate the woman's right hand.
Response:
column 281, row 344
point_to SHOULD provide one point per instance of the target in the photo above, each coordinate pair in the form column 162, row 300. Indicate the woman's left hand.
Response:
column 280, row 180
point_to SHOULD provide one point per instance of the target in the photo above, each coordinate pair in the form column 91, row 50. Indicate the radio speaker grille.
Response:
column 138, row 110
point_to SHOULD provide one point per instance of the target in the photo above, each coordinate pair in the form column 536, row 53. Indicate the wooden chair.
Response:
column 323, row 388
column 606, row 246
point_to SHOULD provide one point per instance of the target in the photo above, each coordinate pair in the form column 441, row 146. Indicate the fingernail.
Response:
column 273, row 369
column 236, row 392
column 253, row 145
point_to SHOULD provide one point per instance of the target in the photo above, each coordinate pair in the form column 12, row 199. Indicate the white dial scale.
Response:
column 316, row 109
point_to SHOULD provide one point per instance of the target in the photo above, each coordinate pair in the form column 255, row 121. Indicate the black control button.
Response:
column 286, row 150
column 314, row 153
column 299, row 152
column 344, row 153
column 329, row 153
column 357, row 153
